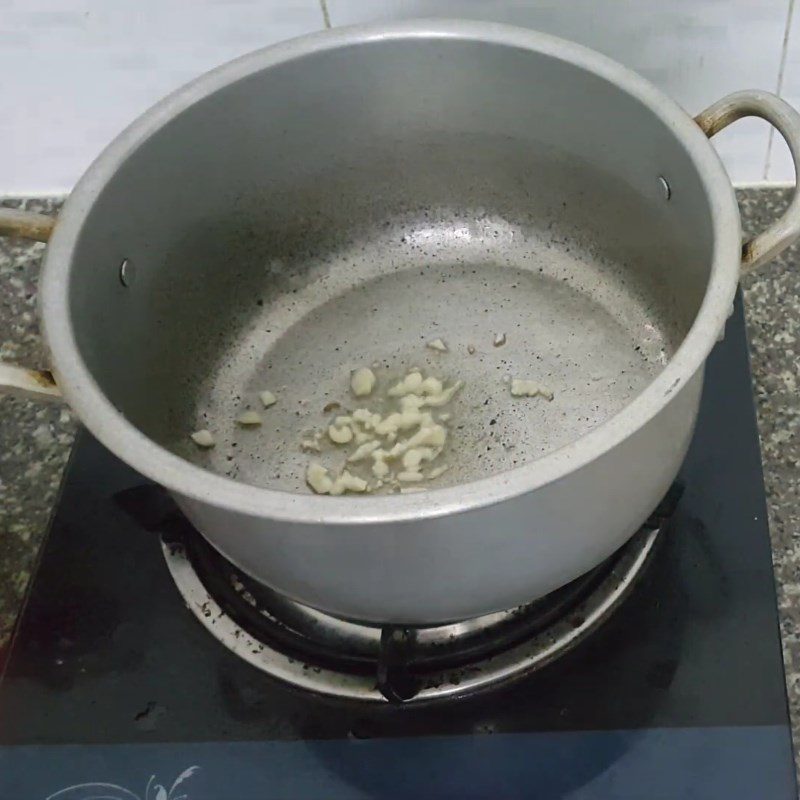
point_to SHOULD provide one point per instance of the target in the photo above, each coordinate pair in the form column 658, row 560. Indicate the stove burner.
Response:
column 322, row 653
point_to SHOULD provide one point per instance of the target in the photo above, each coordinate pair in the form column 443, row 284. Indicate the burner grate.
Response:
column 322, row 653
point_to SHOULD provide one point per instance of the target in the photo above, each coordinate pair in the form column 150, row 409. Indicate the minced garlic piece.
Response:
column 203, row 438
column 380, row 469
column 362, row 451
column 409, row 476
column 366, row 418
column 341, row 435
column 348, row 483
column 362, row 382
column 267, row 398
column 249, row 419
column 319, row 479
column 523, row 388
column 409, row 385
column 443, row 397
column 415, row 456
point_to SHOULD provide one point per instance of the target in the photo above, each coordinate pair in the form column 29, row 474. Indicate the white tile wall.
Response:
column 695, row 50
column 780, row 163
column 75, row 72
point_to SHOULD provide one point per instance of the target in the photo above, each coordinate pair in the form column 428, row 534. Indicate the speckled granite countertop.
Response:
column 35, row 439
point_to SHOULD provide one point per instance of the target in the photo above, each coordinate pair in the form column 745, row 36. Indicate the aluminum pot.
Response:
column 324, row 201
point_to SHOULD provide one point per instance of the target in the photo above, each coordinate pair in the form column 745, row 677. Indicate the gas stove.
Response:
column 146, row 667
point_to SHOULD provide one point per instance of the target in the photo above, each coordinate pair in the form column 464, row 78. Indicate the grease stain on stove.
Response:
column 148, row 718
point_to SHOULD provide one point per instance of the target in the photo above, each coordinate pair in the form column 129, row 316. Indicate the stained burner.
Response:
column 325, row 654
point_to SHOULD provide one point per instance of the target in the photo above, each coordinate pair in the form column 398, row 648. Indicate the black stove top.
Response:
column 114, row 690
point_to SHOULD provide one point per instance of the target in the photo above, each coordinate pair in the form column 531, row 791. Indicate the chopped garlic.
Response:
column 471, row 349
column 380, row 469
column 362, row 382
column 340, row 435
column 203, row 438
column 319, row 479
column 445, row 396
column 523, row 388
column 363, row 451
column 429, row 436
column 520, row 388
column 409, row 476
column 431, row 386
column 267, row 398
column 499, row 339
column 348, row 483
column 437, row 471
column 366, row 418
column 399, row 421
column 395, row 445
column 415, row 456
column 438, row 344
column 249, row 419
column 408, row 385
column 310, row 446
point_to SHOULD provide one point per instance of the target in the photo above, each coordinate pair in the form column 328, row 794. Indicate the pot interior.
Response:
column 348, row 205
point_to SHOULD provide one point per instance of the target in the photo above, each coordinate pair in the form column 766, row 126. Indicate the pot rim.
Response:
column 110, row 426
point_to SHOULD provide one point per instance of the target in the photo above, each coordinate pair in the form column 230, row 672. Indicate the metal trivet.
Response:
column 322, row 653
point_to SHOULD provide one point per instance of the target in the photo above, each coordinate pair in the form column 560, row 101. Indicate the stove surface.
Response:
column 113, row 689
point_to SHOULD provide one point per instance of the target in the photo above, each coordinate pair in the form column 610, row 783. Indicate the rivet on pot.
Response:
column 666, row 190
column 127, row 272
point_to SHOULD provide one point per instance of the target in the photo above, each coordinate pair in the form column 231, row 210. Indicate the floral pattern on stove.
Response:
column 110, row 791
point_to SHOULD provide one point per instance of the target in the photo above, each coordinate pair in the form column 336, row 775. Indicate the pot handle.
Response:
column 755, row 103
column 21, row 381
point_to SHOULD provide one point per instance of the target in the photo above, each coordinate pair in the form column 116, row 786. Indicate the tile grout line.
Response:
column 326, row 17
column 779, row 87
